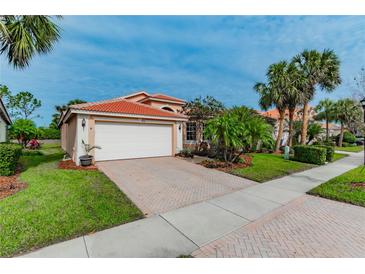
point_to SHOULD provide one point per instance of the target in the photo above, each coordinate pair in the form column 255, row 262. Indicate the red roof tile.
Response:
column 166, row 97
column 120, row 105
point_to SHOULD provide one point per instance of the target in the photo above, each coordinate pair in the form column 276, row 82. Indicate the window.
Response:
column 190, row 131
column 168, row 109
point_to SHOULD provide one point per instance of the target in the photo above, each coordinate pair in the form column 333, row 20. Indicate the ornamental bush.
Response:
column 310, row 154
column 348, row 137
column 9, row 156
column 330, row 152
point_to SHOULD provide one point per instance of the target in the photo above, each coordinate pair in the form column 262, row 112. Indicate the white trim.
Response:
column 3, row 110
column 124, row 115
column 162, row 100
column 135, row 94
column 167, row 106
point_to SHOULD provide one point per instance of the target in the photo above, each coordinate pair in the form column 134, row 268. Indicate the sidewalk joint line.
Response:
column 87, row 251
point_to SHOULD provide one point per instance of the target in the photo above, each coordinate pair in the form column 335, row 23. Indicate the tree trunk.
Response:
column 341, row 136
column 291, row 125
column 280, row 130
column 303, row 136
column 327, row 130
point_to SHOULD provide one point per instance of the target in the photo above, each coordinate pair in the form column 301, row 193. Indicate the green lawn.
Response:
column 338, row 156
column 351, row 149
column 340, row 188
column 268, row 166
column 59, row 205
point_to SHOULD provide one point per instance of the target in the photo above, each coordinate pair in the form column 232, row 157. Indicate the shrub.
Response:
column 48, row 133
column 9, row 156
column 187, row 153
column 310, row 154
column 348, row 137
column 330, row 152
column 23, row 130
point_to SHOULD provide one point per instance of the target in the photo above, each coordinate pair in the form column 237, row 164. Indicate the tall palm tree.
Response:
column 294, row 97
column 346, row 111
column 318, row 69
column 273, row 94
column 325, row 111
column 21, row 37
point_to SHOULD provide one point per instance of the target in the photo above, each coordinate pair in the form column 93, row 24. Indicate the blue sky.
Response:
column 100, row 57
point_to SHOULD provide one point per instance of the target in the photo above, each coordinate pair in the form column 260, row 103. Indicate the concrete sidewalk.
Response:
column 184, row 230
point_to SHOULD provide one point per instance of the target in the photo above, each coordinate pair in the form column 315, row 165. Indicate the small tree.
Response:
column 23, row 130
column 237, row 131
column 201, row 110
column 325, row 111
column 23, row 104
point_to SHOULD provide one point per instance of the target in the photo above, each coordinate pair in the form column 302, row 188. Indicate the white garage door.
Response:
column 128, row 141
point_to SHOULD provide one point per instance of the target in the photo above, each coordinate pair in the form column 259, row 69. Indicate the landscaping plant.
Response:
column 9, row 156
column 23, row 130
column 310, row 154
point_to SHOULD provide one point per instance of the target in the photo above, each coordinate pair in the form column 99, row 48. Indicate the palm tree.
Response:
column 21, row 37
column 274, row 94
column 325, row 112
column 346, row 111
column 314, row 130
column 294, row 97
column 317, row 69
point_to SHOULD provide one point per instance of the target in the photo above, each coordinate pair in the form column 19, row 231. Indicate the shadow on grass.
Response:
column 28, row 161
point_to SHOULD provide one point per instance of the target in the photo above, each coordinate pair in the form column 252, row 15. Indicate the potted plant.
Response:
column 87, row 159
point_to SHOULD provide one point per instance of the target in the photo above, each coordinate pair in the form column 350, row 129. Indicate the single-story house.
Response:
column 134, row 126
column 5, row 121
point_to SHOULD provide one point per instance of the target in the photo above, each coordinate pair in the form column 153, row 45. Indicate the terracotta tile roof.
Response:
column 120, row 105
column 166, row 97
column 274, row 113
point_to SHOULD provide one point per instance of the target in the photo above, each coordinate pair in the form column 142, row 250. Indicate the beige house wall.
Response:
column 157, row 104
column 71, row 136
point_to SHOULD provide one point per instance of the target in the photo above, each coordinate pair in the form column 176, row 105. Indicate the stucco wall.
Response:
column 156, row 104
column 3, row 130
column 71, row 136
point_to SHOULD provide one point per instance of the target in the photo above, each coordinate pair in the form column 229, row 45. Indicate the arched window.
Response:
column 168, row 109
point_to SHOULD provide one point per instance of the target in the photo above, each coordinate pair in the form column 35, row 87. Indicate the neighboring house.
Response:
column 5, row 121
column 334, row 129
column 133, row 126
column 273, row 116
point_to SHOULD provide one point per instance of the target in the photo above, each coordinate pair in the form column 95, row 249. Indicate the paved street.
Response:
column 273, row 219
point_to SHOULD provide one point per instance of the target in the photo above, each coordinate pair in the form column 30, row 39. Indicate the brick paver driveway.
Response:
column 157, row 185
column 307, row 227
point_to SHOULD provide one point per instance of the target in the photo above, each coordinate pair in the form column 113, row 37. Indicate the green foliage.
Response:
column 310, row 154
column 22, row 36
column 330, row 152
column 9, row 156
column 21, row 105
column 348, row 137
column 236, row 131
column 187, row 153
column 201, row 109
column 23, row 130
column 314, row 130
column 48, row 133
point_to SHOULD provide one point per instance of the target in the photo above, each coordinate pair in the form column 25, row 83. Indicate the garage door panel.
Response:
column 127, row 141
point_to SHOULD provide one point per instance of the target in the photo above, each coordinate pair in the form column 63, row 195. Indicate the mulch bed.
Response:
column 360, row 185
column 226, row 167
column 69, row 164
column 10, row 185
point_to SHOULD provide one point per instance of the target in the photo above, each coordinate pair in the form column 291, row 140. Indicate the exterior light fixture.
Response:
column 83, row 123
column 363, row 108
column 179, row 126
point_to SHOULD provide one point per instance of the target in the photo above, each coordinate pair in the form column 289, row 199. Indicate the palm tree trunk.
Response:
column 341, row 136
column 327, row 130
column 291, row 125
column 303, row 136
column 280, row 130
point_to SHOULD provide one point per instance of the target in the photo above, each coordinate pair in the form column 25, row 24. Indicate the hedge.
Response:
column 330, row 152
column 310, row 154
column 9, row 156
